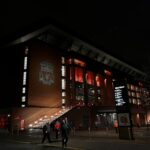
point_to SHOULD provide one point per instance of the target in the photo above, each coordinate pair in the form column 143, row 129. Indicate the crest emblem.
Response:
column 46, row 74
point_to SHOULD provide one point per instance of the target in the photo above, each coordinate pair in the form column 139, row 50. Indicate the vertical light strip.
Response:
column 63, row 80
column 25, row 62
column 25, row 65
column 24, row 77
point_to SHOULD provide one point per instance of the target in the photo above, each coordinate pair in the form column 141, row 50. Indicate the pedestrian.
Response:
column 65, row 132
column 46, row 132
column 57, row 127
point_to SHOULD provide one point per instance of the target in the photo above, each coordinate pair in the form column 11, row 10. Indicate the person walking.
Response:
column 65, row 132
column 57, row 127
column 46, row 132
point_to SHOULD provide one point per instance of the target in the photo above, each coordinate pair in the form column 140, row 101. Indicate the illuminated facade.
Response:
column 51, row 79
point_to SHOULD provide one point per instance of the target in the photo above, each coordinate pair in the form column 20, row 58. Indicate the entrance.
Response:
column 105, row 120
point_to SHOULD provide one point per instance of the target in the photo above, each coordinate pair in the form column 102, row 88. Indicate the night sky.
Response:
column 120, row 29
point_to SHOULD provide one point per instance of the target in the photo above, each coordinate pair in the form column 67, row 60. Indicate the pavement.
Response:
column 141, row 135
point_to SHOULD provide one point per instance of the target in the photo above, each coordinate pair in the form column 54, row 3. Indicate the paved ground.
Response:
column 84, row 140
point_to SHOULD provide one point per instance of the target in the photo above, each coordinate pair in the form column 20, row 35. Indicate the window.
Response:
column 25, row 62
column 98, row 81
column 63, row 101
column 24, row 77
column 62, row 60
column 132, row 87
column 23, row 99
column 63, row 84
column 90, row 77
column 63, row 93
column 91, row 94
column 63, row 71
column 78, row 74
column 80, row 92
column 23, row 90
column 23, row 105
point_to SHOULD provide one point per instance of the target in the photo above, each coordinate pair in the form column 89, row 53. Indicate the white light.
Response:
column 63, row 71
column 63, row 84
column 25, row 63
column 36, row 122
column 63, row 60
column 45, row 116
column 23, row 90
column 30, row 125
column 63, row 101
column 119, row 87
column 23, row 99
column 41, row 119
column 22, row 105
column 24, row 77
column 63, row 93
column 8, row 115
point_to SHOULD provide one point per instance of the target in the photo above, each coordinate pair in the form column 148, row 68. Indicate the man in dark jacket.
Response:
column 65, row 132
column 46, row 132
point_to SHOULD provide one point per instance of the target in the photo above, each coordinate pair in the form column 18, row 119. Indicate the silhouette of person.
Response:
column 57, row 127
column 46, row 133
column 65, row 132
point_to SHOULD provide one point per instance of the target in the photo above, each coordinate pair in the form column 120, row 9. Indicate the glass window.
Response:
column 63, row 60
column 90, row 77
column 23, row 90
column 91, row 94
column 98, row 81
column 23, row 105
column 138, row 95
column 134, row 101
column 133, row 94
column 63, row 71
column 128, row 86
column 80, row 92
column 63, row 93
column 23, row 99
column 63, row 84
column 25, row 62
column 26, row 50
column 132, row 87
column 138, row 101
column 78, row 74
column 63, row 101
column 24, row 77
column 129, row 93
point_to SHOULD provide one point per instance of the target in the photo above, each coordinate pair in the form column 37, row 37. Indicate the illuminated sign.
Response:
column 46, row 74
column 119, row 95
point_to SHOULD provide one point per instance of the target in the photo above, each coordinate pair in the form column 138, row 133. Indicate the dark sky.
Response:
column 119, row 28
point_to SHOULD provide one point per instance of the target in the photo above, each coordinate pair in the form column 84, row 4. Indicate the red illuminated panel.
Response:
column 90, row 77
column 79, row 62
column 78, row 74
column 98, row 81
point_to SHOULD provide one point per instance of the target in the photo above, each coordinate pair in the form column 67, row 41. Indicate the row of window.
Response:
column 23, row 99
